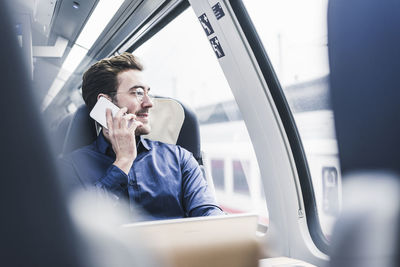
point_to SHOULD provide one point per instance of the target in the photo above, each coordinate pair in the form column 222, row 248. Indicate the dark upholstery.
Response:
column 189, row 137
column 81, row 130
column 35, row 228
column 364, row 42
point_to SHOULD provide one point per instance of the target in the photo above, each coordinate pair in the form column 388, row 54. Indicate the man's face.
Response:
column 129, row 82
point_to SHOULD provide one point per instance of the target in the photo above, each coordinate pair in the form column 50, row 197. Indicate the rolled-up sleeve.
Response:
column 197, row 197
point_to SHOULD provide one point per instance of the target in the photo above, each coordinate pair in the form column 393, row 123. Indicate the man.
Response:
column 165, row 180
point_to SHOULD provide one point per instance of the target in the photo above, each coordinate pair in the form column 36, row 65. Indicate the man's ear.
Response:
column 104, row 95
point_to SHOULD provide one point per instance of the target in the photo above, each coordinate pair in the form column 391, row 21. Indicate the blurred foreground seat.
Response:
column 364, row 41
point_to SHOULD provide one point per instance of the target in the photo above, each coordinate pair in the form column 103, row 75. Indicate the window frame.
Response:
column 288, row 122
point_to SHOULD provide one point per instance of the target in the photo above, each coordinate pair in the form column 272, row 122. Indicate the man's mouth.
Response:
column 142, row 115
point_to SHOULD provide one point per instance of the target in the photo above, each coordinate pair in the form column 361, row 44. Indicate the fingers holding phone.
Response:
column 132, row 122
column 122, row 138
column 122, row 119
column 119, row 121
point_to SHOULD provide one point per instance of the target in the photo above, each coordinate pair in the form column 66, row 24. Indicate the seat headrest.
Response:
column 166, row 120
column 174, row 123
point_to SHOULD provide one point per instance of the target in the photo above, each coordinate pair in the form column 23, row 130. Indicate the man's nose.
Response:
column 147, row 101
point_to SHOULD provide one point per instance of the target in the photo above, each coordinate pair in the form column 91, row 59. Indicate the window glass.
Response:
column 181, row 64
column 218, row 173
column 239, row 177
column 294, row 34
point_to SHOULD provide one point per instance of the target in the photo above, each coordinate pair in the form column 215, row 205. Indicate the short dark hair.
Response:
column 102, row 76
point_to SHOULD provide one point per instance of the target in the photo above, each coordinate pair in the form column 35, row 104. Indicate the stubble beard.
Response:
column 142, row 130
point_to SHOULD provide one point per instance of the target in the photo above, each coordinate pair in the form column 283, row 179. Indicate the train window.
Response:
column 182, row 65
column 239, row 177
column 294, row 34
column 218, row 173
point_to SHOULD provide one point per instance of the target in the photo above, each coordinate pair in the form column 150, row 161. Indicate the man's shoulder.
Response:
column 166, row 147
column 161, row 145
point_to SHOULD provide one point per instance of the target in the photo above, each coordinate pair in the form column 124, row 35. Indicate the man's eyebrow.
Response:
column 139, row 86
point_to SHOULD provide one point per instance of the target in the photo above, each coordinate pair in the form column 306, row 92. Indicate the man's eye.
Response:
column 139, row 92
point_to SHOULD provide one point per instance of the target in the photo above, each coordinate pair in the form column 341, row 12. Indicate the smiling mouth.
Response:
column 142, row 115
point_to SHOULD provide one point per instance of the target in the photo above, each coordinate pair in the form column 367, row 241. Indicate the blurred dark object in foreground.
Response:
column 364, row 41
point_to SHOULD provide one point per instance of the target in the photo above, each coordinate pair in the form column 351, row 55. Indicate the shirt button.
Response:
column 131, row 182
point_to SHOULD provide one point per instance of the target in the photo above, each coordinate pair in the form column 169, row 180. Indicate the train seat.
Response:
column 364, row 61
column 79, row 130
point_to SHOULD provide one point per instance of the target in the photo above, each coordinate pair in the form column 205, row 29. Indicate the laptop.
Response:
column 214, row 241
column 197, row 230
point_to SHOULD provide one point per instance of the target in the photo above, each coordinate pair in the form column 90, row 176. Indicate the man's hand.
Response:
column 121, row 134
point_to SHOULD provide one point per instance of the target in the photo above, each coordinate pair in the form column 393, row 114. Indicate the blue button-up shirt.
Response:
column 165, row 180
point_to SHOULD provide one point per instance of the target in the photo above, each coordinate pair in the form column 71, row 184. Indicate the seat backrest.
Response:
column 35, row 226
column 80, row 130
column 364, row 41
column 171, row 122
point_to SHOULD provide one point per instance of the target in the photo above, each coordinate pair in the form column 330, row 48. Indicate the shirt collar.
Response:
column 102, row 143
column 145, row 143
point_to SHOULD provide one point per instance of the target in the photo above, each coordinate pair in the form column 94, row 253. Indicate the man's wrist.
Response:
column 124, row 164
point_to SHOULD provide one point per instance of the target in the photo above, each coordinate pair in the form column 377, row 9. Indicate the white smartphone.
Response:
column 98, row 112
